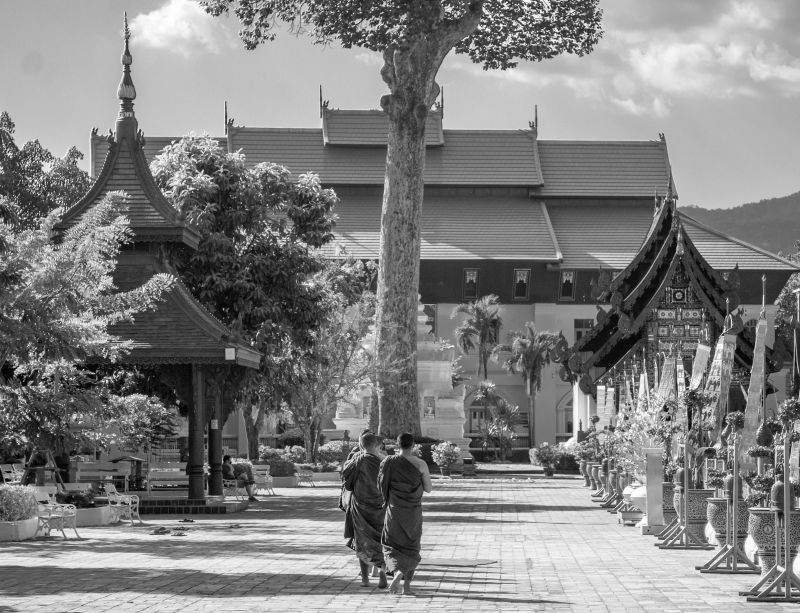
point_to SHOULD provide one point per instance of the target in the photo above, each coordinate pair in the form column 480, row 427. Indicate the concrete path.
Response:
column 488, row 545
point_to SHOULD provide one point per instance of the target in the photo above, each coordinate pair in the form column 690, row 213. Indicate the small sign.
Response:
column 230, row 353
column 215, row 424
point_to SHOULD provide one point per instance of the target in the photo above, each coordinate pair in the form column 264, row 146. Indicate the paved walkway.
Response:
column 489, row 545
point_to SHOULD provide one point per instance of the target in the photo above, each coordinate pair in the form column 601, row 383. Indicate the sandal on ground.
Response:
column 160, row 531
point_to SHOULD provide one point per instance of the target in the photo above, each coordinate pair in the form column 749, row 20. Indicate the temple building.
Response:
column 546, row 225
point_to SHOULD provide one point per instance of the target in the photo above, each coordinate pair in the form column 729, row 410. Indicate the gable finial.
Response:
column 534, row 125
column 126, row 90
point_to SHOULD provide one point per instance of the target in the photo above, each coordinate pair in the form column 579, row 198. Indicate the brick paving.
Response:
column 498, row 544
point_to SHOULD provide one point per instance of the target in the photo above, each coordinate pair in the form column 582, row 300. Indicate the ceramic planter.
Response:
column 717, row 513
column 668, row 506
column 697, row 512
column 761, row 526
column 593, row 469
column 584, row 473
column 22, row 530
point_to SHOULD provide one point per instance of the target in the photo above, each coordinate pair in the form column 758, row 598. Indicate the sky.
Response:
column 720, row 78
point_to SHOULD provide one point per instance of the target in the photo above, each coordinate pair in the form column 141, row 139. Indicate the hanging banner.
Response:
column 641, row 399
column 611, row 406
column 755, row 398
column 601, row 406
column 701, row 355
column 666, row 387
column 719, row 381
column 681, row 378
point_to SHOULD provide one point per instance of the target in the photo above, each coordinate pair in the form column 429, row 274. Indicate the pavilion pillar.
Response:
column 197, row 426
column 215, row 442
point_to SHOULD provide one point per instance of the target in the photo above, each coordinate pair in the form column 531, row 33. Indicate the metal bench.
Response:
column 305, row 476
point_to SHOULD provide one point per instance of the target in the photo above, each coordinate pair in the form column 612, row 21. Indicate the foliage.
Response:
column 759, row 451
column 334, row 451
column 715, row 478
column 290, row 437
column 530, row 353
column 588, row 450
column 789, row 412
column 480, row 329
column 81, row 500
column 735, row 419
column 17, row 502
column 320, row 467
column 545, row 455
column 280, row 467
column 268, row 454
column 445, row 454
column 33, row 181
column 497, row 427
column 143, row 421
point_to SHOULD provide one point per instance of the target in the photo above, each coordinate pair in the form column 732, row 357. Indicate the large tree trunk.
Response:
column 251, row 428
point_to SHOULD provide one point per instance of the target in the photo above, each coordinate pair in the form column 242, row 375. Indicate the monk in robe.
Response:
column 365, row 511
column 403, row 478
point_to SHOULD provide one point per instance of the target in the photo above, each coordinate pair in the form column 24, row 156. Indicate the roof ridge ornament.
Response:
column 126, row 92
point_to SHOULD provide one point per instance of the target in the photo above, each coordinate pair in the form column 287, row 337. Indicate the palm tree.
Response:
column 530, row 353
column 481, row 328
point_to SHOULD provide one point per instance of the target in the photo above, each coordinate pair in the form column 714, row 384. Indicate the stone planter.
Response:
column 697, row 512
column 638, row 497
column 95, row 516
column 22, row 530
column 668, row 505
column 594, row 473
column 284, row 481
column 761, row 526
column 329, row 477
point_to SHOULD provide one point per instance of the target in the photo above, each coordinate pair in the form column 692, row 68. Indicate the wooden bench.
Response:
column 168, row 474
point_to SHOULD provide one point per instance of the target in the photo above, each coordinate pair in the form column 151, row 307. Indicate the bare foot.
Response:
column 396, row 586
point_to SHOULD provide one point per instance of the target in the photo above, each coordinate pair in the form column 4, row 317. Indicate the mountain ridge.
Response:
column 772, row 223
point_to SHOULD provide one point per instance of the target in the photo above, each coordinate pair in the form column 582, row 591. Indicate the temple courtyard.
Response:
column 490, row 544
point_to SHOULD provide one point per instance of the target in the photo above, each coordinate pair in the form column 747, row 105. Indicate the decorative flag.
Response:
column 719, row 381
column 611, row 408
column 701, row 355
column 753, row 413
column 681, row 377
column 666, row 387
column 601, row 406
column 641, row 399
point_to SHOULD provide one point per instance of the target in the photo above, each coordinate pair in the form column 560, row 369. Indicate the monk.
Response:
column 365, row 511
column 402, row 479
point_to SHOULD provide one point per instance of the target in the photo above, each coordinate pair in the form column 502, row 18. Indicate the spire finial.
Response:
column 126, row 92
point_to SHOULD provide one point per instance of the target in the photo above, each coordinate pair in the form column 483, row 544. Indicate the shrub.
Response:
column 81, row 500
column 281, row 468
column 293, row 436
column 320, row 467
column 334, row 451
column 295, row 453
column 17, row 502
column 268, row 454
column 545, row 455
column 445, row 454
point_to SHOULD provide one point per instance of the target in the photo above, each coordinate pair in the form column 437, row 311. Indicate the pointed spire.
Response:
column 126, row 92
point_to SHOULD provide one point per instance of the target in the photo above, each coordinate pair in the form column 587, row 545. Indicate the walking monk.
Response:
column 365, row 510
column 403, row 478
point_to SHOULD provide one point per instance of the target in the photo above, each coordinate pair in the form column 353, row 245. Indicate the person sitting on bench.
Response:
column 238, row 473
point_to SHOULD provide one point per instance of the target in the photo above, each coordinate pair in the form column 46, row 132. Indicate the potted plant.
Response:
column 19, row 517
column 444, row 455
column 284, row 472
column 87, row 513
column 546, row 456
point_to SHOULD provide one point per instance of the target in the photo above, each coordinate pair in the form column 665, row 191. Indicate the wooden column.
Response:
column 215, row 438
column 197, row 426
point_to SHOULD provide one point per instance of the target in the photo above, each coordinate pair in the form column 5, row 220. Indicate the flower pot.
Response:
column 761, row 526
column 549, row 471
column 445, row 470
column 21, row 530
column 93, row 516
column 594, row 473
column 284, row 481
column 667, row 504
column 582, row 466
column 717, row 514
column 697, row 511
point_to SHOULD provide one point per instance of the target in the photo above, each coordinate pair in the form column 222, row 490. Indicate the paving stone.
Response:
column 494, row 544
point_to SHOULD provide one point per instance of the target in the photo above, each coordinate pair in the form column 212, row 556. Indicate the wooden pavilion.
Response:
column 192, row 351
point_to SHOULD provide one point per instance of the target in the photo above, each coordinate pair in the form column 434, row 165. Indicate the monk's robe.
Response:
column 401, row 486
column 365, row 512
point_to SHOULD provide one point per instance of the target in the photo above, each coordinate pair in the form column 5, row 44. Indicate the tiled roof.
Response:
column 468, row 157
column 370, row 128
column 724, row 252
column 603, row 168
column 609, row 236
column 454, row 228
column 152, row 147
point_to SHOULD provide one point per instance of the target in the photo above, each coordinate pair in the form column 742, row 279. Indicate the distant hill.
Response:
column 772, row 224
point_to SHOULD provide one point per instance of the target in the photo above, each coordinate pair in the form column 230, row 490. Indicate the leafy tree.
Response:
column 497, row 427
column 56, row 304
column 414, row 37
column 787, row 326
column 33, row 181
column 480, row 329
column 529, row 352
column 255, row 265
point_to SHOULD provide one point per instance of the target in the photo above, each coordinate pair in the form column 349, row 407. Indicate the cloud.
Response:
column 656, row 53
column 183, row 27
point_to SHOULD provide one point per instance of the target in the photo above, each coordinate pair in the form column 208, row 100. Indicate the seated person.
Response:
column 239, row 474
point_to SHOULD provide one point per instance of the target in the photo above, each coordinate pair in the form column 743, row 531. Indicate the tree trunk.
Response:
column 531, row 411
column 308, row 443
column 251, row 428
column 374, row 413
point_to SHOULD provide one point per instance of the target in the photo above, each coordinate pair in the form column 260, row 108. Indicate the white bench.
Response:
column 168, row 474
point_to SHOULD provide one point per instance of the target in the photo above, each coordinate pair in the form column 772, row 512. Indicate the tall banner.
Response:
column 641, row 399
column 755, row 398
column 666, row 387
column 701, row 355
column 611, row 406
column 601, row 407
column 680, row 377
column 719, row 381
